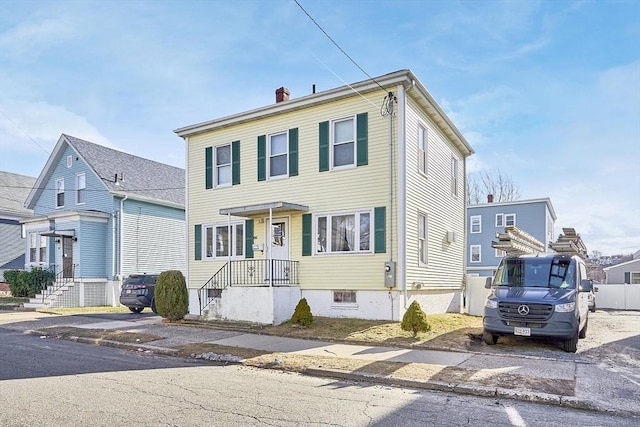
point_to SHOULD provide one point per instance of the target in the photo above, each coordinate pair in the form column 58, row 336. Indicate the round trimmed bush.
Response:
column 171, row 295
column 302, row 314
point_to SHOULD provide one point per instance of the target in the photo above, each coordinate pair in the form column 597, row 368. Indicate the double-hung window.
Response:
column 422, row 149
column 345, row 232
column 454, row 176
column 476, row 224
column 223, row 240
column 60, row 193
column 343, row 145
column 499, row 220
column 278, row 155
column 37, row 248
column 422, row 238
column 223, row 165
column 475, row 253
column 510, row 220
column 81, row 188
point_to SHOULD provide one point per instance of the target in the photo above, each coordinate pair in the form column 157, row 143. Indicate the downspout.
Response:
column 270, row 235
column 121, row 238
column 229, row 238
column 113, row 245
column 402, row 191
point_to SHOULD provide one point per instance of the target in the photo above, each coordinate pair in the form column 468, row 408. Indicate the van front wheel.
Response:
column 571, row 345
column 489, row 338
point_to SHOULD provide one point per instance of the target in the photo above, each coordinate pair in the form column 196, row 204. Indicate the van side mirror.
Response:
column 585, row 285
column 488, row 282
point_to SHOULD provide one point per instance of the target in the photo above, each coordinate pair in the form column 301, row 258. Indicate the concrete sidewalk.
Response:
column 571, row 383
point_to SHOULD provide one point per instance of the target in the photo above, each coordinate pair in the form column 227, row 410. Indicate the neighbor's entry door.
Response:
column 67, row 257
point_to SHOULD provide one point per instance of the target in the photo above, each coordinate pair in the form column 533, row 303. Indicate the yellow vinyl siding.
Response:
column 432, row 195
column 323, row 192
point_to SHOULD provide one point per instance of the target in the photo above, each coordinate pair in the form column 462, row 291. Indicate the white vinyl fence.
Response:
column 617, row 297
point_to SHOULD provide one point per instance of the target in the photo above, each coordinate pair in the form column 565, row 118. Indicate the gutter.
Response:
column 121, row 238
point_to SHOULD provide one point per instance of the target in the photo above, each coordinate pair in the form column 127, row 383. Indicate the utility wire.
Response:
column 338, row 46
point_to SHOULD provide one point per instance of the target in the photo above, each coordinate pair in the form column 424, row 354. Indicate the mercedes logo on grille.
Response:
column 523, row 310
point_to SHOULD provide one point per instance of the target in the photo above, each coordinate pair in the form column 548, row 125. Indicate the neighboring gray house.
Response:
column 627, row 272
column 100, row 215
column 535, row 216
column 14, row 190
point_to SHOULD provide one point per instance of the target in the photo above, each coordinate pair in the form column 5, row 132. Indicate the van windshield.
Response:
column 552, row 272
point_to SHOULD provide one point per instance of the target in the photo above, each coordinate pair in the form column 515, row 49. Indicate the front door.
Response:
column 279, row 235
column 67, row 257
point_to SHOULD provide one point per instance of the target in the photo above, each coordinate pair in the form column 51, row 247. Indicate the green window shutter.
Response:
column 306, row 234
column 293, row 152
column 362, row 130
column 198, row 242
column 208, row 167
column 262, row 157
column 248, row 238
column 323, row 131
column 235, row 162
column 380, row 235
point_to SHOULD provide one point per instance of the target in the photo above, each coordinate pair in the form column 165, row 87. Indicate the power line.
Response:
column 338, row 46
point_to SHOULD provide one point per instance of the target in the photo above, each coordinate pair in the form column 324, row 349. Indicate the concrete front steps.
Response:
column 48, row 298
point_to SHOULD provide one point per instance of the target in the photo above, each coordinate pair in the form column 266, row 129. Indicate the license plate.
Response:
column 525, row 332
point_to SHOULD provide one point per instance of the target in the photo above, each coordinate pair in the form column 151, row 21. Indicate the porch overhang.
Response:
column 59, row 233
column 264, row 208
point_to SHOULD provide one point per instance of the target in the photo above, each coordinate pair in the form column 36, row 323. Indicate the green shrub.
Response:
column 171, row 295
column 28, row 283
column 415, row 320
column 302, row 314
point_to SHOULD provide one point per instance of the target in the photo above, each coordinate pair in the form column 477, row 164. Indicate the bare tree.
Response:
column 491, row 182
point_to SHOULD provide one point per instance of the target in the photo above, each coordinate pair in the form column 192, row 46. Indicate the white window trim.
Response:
column 38, row 259
column 500, row 223
column 216, row 183
column 232, row 244
column 454, row 176
column 506, row 220
column 632, row 274
column 78, row 175
column 329, row 215
column 69, row 161
column 332, row 143
column 479, row 219
column 423, row 151
column 286, row 154
column 471, row 254
column 57, row 192
column 424, row 218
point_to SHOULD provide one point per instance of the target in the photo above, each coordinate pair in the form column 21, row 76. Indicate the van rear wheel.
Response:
column 571, row 345
column 489, row 338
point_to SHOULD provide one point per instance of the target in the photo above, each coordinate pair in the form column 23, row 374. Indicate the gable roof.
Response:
column 14, row 190
column 138, row 177
column 389, row 81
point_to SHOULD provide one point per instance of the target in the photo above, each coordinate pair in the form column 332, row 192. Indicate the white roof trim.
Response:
column 248, row 210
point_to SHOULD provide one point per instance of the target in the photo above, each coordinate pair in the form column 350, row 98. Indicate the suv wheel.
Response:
column 153, row 306
column 489, row 338
column 136, row 309
column 593, row 308
column 571, row 345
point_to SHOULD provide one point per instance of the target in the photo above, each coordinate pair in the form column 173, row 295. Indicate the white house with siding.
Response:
column 100, row 215
column 352, row 198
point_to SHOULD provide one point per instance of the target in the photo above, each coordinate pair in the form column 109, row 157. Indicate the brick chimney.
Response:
column 489, row 198
column 282, row 94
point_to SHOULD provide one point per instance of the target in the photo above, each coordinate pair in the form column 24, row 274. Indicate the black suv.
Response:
column 138, row 292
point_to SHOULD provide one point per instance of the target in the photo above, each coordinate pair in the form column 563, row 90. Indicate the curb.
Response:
column 459, row 388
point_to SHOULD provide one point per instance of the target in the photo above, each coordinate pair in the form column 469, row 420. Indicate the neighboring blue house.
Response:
column 100, row 215
column 536, row 217
column 14, row 189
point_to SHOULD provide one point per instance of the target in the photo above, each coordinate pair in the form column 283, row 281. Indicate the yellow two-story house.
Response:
column 353, row 198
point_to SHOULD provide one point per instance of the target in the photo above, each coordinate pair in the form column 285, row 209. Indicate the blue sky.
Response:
column 546, row 91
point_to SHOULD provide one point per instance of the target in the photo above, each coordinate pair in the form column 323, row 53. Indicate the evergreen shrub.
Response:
column 171, row 296
column 302, row 314
column 415, row 320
